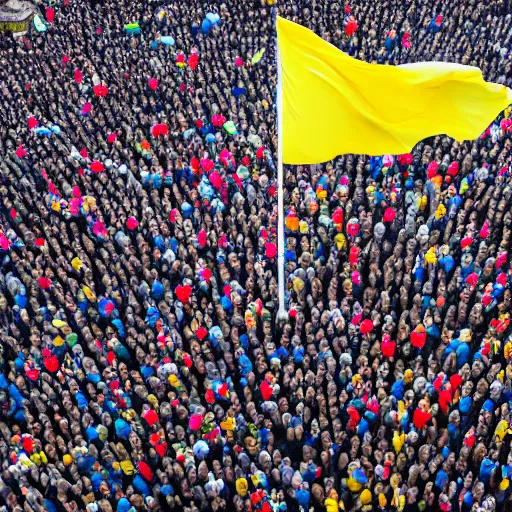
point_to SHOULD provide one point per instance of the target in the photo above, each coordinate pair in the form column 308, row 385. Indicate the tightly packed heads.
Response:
column 141, row 365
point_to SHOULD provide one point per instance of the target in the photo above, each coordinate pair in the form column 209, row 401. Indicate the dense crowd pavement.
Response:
column 141, row 365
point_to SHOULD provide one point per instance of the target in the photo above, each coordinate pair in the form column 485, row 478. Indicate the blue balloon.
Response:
column 359, row 476
column 447, row 262
column 42, row 131
column 455, row 201
column 152, row 316
column 167, row 490
column 91, row 433
column 465, row 404
column 119, row 326
column 20, row 300
column 282, row 352
column 452, row 346
column 19, row 415
column 497, row 290
column 462, row 355
column 489, row 405
column 358, row 404
column 50, row 506
column 263, row 435
column 486, row 469
column 303, row 498
column 397, row 390
column 82, row 401
column 433, row 331
column 157, row 290
column 206, row 26
column 215, row 334
column 405, row 421
column 159, row 242
column 298, row 354
column 468, row 499
column 441, row 479
column 370, row 416
column 93, row 377
column 96, row 480
column 213, row 18
column 238, row 91
column 121, row 351
column 478, row 356
column 146, row 371
column 226, row 304
column 245, row 364
column 18, row 363
column 167, row 40
column 123, row 505
column 465, row 271
column 419, row 273
column 141, row 486
column 186, row 209
column 363, row 427
column 452, row 429
column 290, row 256
column 122, row 428
column 85, row 464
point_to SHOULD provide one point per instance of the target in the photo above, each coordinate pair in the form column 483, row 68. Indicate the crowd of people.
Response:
column 142, row 368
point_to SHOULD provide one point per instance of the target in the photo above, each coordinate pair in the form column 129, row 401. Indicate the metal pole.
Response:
column 281, row 313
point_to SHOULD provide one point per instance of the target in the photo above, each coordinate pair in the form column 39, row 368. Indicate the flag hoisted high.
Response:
column 333, row 104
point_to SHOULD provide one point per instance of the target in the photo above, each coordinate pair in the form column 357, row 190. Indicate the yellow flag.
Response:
column 334, row 104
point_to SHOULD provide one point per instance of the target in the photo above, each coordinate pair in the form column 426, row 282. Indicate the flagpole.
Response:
column 281, row 313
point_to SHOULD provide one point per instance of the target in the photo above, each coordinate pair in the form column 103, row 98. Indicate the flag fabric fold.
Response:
column 334, row 104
